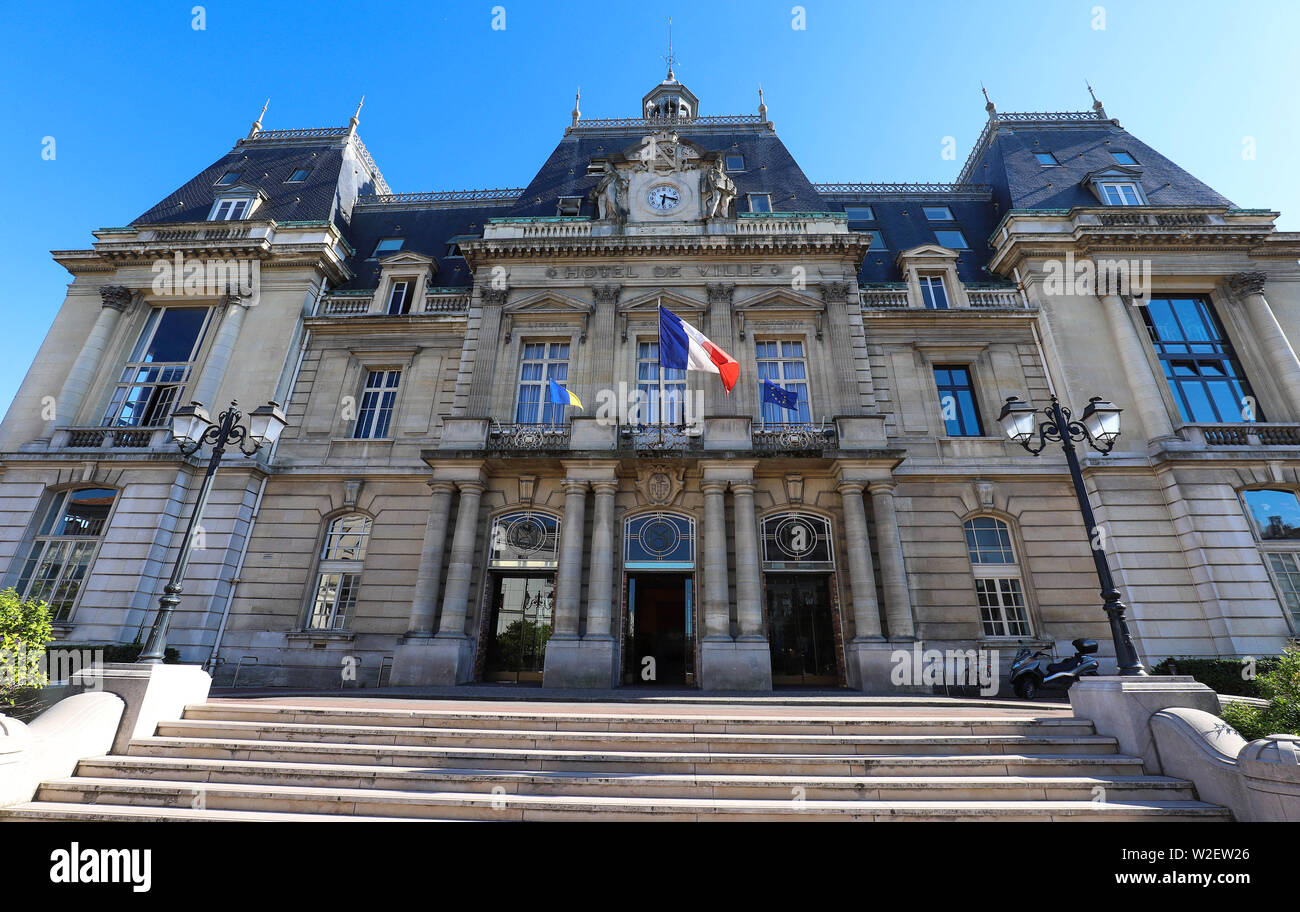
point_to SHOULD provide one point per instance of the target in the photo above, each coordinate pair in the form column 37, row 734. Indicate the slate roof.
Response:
column 423, row 230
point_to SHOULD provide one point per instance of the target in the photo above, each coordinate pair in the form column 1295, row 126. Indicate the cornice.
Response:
column 854, row 245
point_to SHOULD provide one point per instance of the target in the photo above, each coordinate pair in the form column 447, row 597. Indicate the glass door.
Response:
column 801, row 629
column 520, row 627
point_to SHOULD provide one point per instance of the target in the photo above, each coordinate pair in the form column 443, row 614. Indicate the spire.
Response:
column 356, row 117
column 670, row 58
column 257, row 124
column 762, row 106
column 988, row 103
column 1096, row 105
column 577, row 115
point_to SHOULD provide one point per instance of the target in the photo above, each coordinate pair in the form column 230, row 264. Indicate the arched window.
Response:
column 525, row 540
column 339, row 574
column 797, row 541
column 1275, row 520
column 997, row 577
column 64, row 547
column 659, row 541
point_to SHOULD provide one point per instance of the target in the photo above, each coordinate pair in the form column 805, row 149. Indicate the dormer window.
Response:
column 228, row 179
column 1123, row 157
column 226, row 210
column 298, row 175
column 760, row 202
column 735, row 163
column 569, row 205
column 951, row 238
column 1120, row 193
column 386, row 246
column 399, row 299
column 453, row 250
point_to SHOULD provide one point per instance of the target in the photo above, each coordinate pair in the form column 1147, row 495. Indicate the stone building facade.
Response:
column 430, row 517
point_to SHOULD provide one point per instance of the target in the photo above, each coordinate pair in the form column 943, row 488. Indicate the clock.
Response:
column 664, row 197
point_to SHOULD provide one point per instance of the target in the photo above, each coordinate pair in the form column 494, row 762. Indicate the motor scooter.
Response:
column 1035, row 671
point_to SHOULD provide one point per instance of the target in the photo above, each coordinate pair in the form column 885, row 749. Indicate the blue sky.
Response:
column 138, row 100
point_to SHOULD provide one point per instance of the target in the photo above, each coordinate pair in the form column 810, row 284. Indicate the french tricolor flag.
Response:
column 684, row 347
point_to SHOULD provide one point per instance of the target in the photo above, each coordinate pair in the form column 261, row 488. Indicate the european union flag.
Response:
column 786, row 399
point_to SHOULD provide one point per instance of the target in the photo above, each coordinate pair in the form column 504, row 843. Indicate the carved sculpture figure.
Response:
column 610, row 195
column 719, row 191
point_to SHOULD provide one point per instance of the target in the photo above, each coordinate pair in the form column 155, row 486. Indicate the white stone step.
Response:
column 793, row 722
column 601, row 741
column 405, row 804
column 45, row 811
column 772, row 785
column 1010, row 763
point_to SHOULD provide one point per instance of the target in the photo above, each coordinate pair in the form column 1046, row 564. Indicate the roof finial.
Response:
column 670, row 58
column 988, row 102
column 1096, row 105
column 356, row 117
column 762, row 106
column 577, row 115
column 257, row 124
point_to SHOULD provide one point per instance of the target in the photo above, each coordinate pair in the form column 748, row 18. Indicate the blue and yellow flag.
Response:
column 562, row 396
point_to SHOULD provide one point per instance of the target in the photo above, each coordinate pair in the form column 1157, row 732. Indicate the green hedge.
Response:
column 1281, row 686
column 124, row 652
column 1221, row 675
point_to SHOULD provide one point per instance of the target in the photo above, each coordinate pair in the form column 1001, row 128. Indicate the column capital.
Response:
column 605, row 487
column 713, row 486
column 882, row 486
column 850, row 487
column 115, row 296
column 1248, row 283
column 575, row 486
column 471, row 487
column 441, row 487
column 743, row 487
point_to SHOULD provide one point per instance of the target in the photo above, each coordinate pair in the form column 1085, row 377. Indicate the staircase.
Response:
column 253, row 760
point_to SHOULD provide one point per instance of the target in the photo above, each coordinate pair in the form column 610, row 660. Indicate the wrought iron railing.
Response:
column 657, row 438
column 523, row 436
column 794, row 438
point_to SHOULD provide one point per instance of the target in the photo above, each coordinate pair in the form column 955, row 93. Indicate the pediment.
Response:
column 406, row 258
column 928, row 251
column 780, row 300
column 238, row 190
column 1114, row 172
column 673, row 300
column 548, row 302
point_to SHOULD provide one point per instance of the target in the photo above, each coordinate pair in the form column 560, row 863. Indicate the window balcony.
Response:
column 894, row 296
column 436, row 301
column 528, row 438
column 658, row 438
column 110, row 438
column 794, row 439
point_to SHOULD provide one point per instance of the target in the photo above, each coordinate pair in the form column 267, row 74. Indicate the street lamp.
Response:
column 191, row 428
column 1099, row 427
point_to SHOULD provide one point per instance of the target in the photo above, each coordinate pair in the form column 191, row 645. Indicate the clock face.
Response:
column 664, row 197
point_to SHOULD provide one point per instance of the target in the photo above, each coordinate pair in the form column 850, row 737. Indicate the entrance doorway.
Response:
column 660, row 629
column 520, row 627
column 801, row 629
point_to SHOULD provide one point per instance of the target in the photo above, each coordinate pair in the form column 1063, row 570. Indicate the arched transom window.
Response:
column 525, row 540
column 797, row 541
column 659, row 541
column 339, row 575
column 997, row 577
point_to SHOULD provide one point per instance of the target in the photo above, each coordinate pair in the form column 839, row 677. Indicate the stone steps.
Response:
column 383, row 760
column 770, row 785
column 601, row 741
column 477, row 806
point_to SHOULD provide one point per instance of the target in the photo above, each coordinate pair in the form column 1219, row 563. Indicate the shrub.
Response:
column 1220, row 675
column 1281, row 686
column 25, row 629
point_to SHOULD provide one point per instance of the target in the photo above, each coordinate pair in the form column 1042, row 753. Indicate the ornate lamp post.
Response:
column 191, row 428
column 1099, row 427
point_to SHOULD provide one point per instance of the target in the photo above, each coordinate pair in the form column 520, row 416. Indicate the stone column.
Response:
column 1142, row 381
column 1281, row 356
column 219, row 355
column 600, row 584
column 749, row 595
column 568, row 578
column 717, row 620
column 425, row 602
column 114, row 300
column 862, row 579
column 455, row 600
column 893, row 573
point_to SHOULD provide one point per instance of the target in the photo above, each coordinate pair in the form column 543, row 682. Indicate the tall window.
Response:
column 933, row 293
column 997, row 577
column 543, row 361
column 760, row 202
column 783, row 362
column 158, row 368
column 65, row 545
column 377, row 400
column 961, row 416
column 228, row 210
column 1199, row 362
column 1275, row 519
column 662, row 389
column 339, row 573
column 399, row 298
